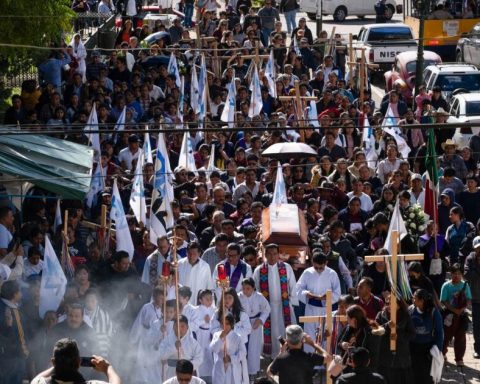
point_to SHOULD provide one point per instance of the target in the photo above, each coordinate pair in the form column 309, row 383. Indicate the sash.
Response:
column 153, row 271
column 237, row 273
column 267, row 326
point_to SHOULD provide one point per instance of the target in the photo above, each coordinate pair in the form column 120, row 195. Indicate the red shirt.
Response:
column 372, row 306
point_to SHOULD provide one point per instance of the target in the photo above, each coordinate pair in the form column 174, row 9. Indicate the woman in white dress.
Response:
column 229, row 355
column 203, row 315
column 234, row 307
column 79, row 53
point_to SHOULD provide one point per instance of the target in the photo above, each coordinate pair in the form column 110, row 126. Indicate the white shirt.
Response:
column 365, row 201
column 420, row 200
column 194, row 380
column 126, row 156
column 156, row 92
column 318, row 284
column 385, row 167
column 5, row 237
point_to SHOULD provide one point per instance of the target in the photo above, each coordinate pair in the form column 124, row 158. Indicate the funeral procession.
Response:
column 239, row 191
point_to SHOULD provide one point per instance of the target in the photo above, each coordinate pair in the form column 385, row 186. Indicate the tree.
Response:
column 33, row 23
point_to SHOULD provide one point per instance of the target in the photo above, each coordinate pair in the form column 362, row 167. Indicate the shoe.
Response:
column 476, row 355
column 460, row 363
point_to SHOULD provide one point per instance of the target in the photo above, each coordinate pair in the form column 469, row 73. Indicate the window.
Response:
column 391, row 33
column 449, row 83
column 472, row 108
column 411, row 67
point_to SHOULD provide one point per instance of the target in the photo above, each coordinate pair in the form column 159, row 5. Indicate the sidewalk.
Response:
column 466, row 375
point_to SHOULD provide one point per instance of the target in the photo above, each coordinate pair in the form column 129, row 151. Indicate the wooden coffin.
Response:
column 284, row 225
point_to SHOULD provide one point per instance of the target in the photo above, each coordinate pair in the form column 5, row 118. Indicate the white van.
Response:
column 340, row 9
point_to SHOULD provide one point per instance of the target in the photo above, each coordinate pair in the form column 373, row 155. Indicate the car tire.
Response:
column 340, row 14
column 459, row 57
column 389, row 12
column 312, row 16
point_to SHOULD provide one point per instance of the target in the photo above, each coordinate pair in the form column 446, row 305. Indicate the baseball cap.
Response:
column 416, row 176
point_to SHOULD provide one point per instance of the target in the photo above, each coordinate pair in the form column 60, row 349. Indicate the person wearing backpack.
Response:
column 456, row 296
column 66, row 362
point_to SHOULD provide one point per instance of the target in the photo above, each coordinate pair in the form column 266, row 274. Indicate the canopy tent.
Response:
column 58, row 166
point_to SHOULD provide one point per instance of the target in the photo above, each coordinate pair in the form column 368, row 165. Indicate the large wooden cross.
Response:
column 393, row 299
column 328, row 319
column 299, row 106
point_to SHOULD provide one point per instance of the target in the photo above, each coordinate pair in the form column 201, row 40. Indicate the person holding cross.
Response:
column 312, row 287
column 275, row 280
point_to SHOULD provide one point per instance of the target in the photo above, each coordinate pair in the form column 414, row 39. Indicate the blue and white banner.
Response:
column 123, row 237
column 137, row 196
column 172, row 69
column 256, row 103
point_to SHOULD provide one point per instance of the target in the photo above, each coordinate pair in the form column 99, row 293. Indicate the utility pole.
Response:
column 423, row 6
column 319, row 17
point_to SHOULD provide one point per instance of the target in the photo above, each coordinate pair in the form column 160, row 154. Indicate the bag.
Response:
column 435, row 267
column 336, row 366
column 464, row 321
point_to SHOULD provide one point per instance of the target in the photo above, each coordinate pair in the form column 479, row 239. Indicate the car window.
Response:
column 426, row 76
column 454, row 108
column 472, row 108
column 390, row 33
column 412, row 65
column 451, row 82
column 360, row 34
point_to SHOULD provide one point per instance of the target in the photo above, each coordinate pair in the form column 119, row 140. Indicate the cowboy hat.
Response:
column 449, row 143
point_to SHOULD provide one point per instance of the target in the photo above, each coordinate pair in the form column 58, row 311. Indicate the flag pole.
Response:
column 174, row 252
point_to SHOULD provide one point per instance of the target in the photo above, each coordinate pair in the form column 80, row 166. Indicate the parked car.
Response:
column 465, row 108
column 340, row 9
column 468, row 47
column 383, row 42
column 451, row 77
column 404, row 68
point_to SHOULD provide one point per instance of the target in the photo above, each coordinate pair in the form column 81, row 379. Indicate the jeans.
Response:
column 476, row 326
column 187, row 22
column 290, row 20
column 265, row 36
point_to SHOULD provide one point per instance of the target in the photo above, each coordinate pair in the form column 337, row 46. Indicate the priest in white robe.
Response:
column 194, row 273
column 274, row 267
column 312, row 288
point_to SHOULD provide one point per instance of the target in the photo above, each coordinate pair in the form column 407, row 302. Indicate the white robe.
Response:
column 145, row 318
column 80, row 53
column 238, row 288
column 317, row 283
column 148, row 262
column 236, row 372
column 204, row 337
column 256, row 307
column 189, row 350
column 243, row 328
column 189, row 312
column 275, row 301
column 197, row 277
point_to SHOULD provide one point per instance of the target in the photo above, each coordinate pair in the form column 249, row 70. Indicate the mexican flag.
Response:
column 431, row 182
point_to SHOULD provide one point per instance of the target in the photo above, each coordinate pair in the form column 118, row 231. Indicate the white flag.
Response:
column 120, row 124
column 280, row 192
column 53, row 282
column 313, row 114
column 396, row 224
column 96, row 186
column 161, row 215
column 256, row 103
column 211, row 163
column 147, row 148
column 91, row 130
column 202, row 91
column 123, row 237
column 390, row 126
column 194, row 91
column 181, row 103
column 369, row 143
column 228, row 113
column 137, row 196
column 58, row 217
column 186, row 158
column 172, row 69
column 270, row 73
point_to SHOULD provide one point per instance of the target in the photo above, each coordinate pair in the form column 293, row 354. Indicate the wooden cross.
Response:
column 299, row 107
column 393, row 299
column 351, row 63
column 328, row 319
column 331, row 42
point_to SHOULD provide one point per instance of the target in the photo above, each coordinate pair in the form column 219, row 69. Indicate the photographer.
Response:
column 66, row 363
column 361, row 373
column 293, row 365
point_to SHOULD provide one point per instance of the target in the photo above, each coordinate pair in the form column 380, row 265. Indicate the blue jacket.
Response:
column 428, row 328
column 51, row 70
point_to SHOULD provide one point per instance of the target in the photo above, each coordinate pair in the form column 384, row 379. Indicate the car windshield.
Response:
column 472, row 108
column 449, row 83
column 412, row 65
column 391, row 33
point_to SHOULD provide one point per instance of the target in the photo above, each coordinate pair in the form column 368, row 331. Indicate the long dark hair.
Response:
column 358, row 313
column 428, row 304
column 236, row 307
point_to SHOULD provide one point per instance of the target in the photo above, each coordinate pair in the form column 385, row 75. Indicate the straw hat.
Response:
column 449, row 143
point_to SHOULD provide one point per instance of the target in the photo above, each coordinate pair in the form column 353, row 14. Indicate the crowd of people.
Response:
column 156, row 318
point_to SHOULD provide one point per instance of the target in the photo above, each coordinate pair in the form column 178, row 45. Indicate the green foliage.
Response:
column 31, row 22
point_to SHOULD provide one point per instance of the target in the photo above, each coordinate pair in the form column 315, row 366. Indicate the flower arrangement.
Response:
column 415, row 220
